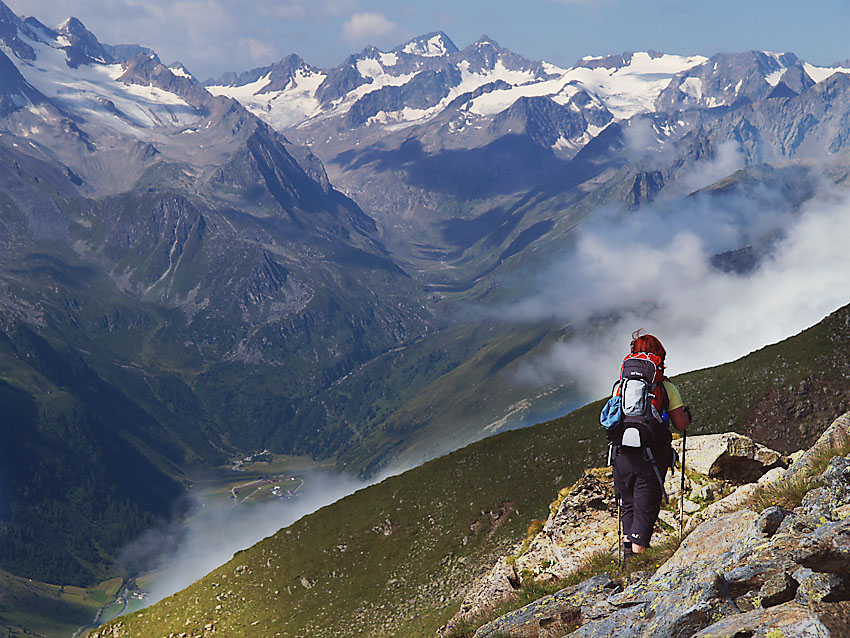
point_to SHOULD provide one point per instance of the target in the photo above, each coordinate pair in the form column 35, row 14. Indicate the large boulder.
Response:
column 790, row 619
column 499, row 585
column 836, row 435
column 555, row 615
column 729, row 456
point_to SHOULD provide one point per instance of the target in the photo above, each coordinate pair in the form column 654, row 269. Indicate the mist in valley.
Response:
column 665, row 268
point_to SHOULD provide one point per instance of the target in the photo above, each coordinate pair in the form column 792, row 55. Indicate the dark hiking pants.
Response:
column 640, row 492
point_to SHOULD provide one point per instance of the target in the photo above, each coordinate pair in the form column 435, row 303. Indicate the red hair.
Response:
column 647, row 343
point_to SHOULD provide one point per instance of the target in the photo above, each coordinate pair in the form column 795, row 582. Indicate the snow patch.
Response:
column 552, row 69
column 633, row 89
column 432, row 48
column 692, row 87
column 773, row 78
column 280, row 109
column 94, row 91
column 820, row 73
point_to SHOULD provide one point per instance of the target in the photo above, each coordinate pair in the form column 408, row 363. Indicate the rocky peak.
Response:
column 10, row 25
column 180, row 70
column 82, row 46
column 485, row 53
column 370, row 53
column 793, row 82
column 552, row 125
column 147, row 70
column 341, row 81
column 482, row 54
column 284, row 72
column 433, row 44
column 725, row 80
column 36, row 30
column 280, row 74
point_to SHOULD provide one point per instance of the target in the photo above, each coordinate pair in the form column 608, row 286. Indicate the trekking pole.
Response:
column 621, row 547
column 682, row 490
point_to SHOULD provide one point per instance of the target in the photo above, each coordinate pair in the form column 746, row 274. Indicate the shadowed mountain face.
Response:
column 177, row 282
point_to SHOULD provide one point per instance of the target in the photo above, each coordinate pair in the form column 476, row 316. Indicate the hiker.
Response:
column 646, row 402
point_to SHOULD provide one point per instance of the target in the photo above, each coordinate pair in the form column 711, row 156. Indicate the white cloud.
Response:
column 362, row 26
column 176, row 556
column 259, row 50
column 652, row 269
column 285, row 11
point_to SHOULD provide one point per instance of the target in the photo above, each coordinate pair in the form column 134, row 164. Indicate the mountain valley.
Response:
column 373, row 266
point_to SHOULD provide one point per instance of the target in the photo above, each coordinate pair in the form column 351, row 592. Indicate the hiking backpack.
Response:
column 637, row 403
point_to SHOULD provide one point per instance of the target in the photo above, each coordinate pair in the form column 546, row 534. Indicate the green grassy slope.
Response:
column 392, row 560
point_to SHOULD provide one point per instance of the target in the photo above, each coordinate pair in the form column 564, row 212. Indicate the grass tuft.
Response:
column 787, row 494
column 790, row 493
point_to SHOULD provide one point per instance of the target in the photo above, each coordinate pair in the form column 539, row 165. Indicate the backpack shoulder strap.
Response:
column 665, row 400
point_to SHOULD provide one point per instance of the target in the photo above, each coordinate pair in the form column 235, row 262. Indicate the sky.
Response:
column 214, row 36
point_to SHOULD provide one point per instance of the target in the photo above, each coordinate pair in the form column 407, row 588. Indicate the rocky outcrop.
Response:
column 583, row 522
column 729, row 456
column 555, row 615
column 739, row 572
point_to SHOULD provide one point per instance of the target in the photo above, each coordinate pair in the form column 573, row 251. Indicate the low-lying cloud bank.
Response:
column 653, row 269
column 218, row 527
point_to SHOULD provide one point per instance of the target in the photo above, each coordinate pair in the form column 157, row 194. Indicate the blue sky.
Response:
column 213, row 36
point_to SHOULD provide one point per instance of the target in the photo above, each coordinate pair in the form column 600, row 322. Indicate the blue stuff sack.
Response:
column 610, row 415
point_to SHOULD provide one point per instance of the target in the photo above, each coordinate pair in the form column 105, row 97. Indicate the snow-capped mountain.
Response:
column 429, row 76
column 428, row 131
column 417, row 135
column 411, row 84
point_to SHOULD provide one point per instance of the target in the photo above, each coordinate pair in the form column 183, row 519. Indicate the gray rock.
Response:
column 729, row 456
column 789, row 619
column 747, row 577
column 819, row 587
column 499, row 585
column 688, row 590
column 771, row 519
column 778, row 589
column 827, row 549
column 835, row 435
column 557, row 614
